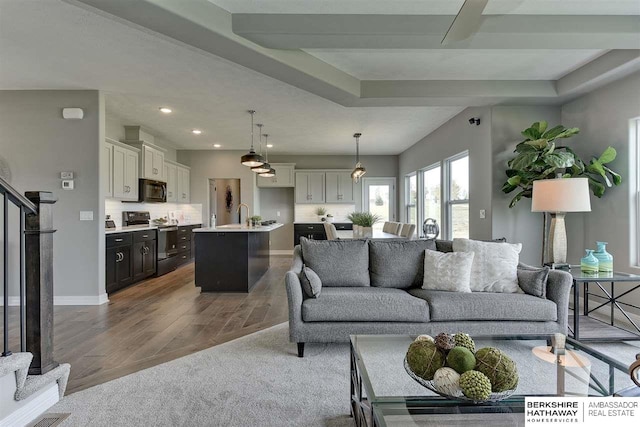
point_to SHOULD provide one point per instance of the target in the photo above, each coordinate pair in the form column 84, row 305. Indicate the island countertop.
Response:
column 237, row 228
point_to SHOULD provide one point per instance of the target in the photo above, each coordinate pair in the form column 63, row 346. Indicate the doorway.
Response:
column 379, row 197
column 224, row 198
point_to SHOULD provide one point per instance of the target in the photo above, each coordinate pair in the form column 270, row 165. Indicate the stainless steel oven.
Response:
column 151, row 191
column 167, row 242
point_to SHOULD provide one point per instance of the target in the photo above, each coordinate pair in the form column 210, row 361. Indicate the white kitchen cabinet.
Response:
column 339, row 187
column 152, row 163
column 284, row 176
column 184, row 182
column 106, row 169
column 309, row 187
column 125, row 173
column 171, row 175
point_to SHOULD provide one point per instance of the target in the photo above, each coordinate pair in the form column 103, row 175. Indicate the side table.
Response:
column 594, row 329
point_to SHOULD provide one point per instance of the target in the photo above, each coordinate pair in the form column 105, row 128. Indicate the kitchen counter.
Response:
column 322, row 222
column 130, row 228
column 230, row 258
column 237, row 228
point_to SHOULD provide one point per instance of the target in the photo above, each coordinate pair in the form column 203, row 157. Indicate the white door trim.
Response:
column 392, row 194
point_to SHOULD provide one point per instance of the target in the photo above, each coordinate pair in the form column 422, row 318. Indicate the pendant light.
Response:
column 271, row 172
column 359, row 170
column 251, row 159
column 265, row 166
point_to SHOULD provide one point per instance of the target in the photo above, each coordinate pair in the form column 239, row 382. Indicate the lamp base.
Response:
column 558, row 266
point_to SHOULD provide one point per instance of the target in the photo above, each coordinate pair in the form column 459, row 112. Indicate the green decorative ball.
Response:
column 461, row 359
column 498, row 367
column 475, row 385
column 464, row 340
column 424, row 359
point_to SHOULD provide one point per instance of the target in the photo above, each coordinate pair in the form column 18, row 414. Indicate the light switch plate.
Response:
column 67, row 184
column 483, row 214
column 66, row 175
column 86, row 215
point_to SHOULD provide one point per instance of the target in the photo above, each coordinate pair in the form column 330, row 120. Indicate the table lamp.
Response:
column 559, row 196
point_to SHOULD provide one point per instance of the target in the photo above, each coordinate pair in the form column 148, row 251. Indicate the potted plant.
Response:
column 367, row 221
column 321, row 212
column 255, row 220
column 354, row 217
column 538, row 157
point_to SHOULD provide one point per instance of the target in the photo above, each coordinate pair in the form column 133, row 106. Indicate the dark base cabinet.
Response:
column 315, row 231
column 230, row 262
column 185, row 248
column 131, row 257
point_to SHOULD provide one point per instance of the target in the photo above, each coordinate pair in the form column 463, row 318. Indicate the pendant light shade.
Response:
column 263, row 168
column 252, row 159
column 359, row 170
column 270, row 172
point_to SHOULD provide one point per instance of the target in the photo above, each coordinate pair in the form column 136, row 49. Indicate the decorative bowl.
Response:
column 494, row 397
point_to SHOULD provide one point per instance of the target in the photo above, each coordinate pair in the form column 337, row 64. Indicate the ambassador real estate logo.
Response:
column 582, row 411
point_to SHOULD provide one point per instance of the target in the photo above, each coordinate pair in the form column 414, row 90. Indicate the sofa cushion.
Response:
column 337, row 262
column 449, row 306
column 311, row 283
column 369, row 304
column 447, row 245
column 397, row 264
column 533, row 281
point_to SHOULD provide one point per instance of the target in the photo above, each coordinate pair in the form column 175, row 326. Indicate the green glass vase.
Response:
column 604, row 258
column 589, row 264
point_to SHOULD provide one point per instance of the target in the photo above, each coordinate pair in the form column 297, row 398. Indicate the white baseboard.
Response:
column 70, row 300
column 281, row 252
column 33, row 407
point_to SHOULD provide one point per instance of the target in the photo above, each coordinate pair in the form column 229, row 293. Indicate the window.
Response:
column 411, row 197
column 635, row 134
column 432, row 194
column 458, row 196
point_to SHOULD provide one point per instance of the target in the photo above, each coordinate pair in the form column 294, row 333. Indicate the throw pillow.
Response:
column 447, row 245
column 447, row 271
column 398, row 264
column 533, row 281
column 311, row 283
column 338, row 262
column 495, row 265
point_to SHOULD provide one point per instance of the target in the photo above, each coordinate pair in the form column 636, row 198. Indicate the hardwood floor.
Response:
column 159, row 320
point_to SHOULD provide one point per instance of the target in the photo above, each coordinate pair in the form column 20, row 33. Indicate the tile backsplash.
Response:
column 192, row 213
column 307, row 212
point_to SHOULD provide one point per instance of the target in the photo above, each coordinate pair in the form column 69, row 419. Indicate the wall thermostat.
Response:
column 66, row 175
column 72, row 113
column 67, row 184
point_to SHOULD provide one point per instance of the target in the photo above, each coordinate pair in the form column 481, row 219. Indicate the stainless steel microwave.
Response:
column 151, row 191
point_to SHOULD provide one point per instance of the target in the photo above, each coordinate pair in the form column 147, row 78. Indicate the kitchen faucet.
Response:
column 238, row 211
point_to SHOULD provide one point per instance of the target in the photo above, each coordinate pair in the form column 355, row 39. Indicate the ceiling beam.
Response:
column 314, row 31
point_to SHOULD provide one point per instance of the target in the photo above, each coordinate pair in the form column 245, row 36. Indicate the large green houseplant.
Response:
column 539, row 157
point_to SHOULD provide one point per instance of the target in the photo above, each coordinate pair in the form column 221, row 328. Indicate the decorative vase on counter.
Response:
column 356, row 231
column 367, row 232
column 604, row 258
column 589, row 264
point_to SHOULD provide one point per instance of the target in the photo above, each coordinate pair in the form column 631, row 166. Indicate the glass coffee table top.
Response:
column 397, row 399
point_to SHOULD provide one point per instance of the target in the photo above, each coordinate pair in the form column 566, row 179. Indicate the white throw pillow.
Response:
column 495, row 265
column 447, row 271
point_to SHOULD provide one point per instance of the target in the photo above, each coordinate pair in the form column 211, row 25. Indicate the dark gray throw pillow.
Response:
column 447, row 245
column 338, row 262
column 398, row 264
column 311, row 283
column 533, row 281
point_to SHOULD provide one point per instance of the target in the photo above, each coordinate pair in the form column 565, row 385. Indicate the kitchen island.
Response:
column 231, row 258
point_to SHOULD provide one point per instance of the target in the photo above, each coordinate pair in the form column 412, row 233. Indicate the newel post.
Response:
column 39, row 282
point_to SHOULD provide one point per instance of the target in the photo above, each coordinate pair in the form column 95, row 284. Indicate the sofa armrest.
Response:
column 295, row 298
column 559, row 286
column 297, row 262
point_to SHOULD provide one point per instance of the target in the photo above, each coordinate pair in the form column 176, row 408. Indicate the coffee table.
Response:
column 383, row 394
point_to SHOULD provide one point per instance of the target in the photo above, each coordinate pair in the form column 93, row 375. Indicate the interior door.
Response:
column 379, row 197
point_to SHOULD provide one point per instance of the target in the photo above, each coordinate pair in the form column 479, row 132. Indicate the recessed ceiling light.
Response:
column 269, row 145
column 196, row 131
column 165, row 110
column 217, row 145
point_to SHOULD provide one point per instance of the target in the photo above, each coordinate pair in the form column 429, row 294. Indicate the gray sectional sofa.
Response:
column 373, row 287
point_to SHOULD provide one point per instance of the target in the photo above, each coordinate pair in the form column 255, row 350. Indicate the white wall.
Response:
column 454, row 137
column 114, row 129
column 39, row 144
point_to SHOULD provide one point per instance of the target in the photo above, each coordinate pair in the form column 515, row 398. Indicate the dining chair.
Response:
column 386, row 227
column 395, row 228
column 408, row 230
column 330, row 231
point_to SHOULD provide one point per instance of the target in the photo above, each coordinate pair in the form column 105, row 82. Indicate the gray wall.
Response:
column 519, row 224
column 39, row 144
column 454, row 137
column 272, row 201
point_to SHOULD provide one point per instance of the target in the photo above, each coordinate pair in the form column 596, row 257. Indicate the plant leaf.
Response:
column 608, row 155
column 553, row 132
column 542, row 126
column 524, row 147
column 508, row 188
column 511, row 172
column 523, row 161
column 530, row 133
column 538, row 143
column 560, row 159
column 514, row 180
column 597, row 187
column 567, row 133
column 617, row 179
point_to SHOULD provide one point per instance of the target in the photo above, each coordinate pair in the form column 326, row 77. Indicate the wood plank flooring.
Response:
column 159, row 320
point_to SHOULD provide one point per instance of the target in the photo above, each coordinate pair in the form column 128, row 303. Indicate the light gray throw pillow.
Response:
column 447, row 271
column 533, row 281
column 495, row 265
column 311, row 283
column 398, row 264
column 337, row 262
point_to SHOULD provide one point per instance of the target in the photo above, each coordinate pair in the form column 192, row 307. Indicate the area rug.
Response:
column 256, row 380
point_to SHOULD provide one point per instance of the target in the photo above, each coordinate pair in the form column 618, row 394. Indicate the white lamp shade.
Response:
column 561, row 195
